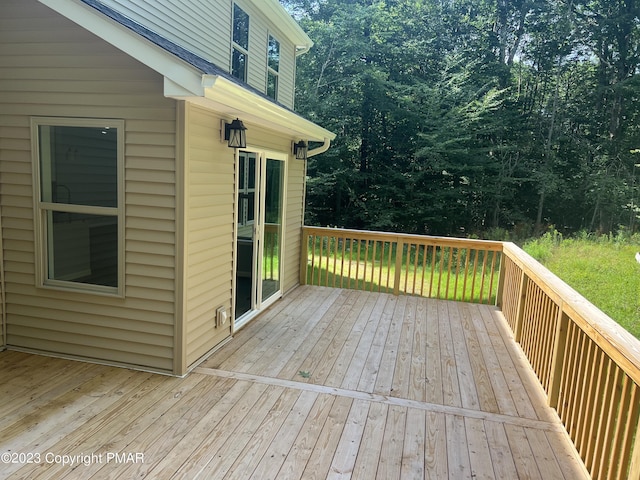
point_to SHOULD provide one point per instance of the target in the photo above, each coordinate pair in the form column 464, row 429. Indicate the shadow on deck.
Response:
column 327, row 383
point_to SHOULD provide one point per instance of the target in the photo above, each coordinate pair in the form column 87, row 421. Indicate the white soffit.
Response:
column 228, row 98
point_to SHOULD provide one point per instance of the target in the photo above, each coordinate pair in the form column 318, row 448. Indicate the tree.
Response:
column 457, row 117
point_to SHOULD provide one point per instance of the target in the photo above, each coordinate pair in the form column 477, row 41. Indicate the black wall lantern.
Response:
column 235, row 134
column 300, row 150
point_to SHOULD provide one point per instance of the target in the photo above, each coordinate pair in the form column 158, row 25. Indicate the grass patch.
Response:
column 602, row 269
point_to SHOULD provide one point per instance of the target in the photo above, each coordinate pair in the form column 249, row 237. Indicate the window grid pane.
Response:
column 72, row 155
column 82, row 248
column 273, row 54
column 240, row 27
column 272, row 86
column 239, row 65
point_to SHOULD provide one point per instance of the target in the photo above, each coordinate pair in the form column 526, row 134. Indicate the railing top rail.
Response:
column 618, row 343
column 421, row 239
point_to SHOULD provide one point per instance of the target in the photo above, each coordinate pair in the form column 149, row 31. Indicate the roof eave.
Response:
column 230, row 99
column 279, row 16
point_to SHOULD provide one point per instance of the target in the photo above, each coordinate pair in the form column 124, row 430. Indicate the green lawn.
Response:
column 603, row 270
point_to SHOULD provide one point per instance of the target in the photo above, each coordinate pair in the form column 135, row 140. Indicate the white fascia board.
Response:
column 280, row 17
column 172, row 68
column 232, row 100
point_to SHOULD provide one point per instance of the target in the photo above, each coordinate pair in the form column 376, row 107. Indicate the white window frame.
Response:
column 243, row 206
column 270, row 71
column 236, row 46
column 42, row 208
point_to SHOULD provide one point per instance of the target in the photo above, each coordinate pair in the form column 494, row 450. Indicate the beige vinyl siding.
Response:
column 258, row 42
column 204, row 28
column 51, row 67
column 287, row 76
column 294, row 221
column 209, row 229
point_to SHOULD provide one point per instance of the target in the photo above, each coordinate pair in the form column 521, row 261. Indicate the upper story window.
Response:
column 273, row 66
column 79, row 203
column 240, row 43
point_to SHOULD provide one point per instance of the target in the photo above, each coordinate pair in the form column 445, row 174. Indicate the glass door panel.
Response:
column 271, row 244
column 246, row 243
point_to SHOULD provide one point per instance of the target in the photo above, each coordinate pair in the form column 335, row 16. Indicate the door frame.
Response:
column 257, row 304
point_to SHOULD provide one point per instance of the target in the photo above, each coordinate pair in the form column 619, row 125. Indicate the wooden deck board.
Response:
column 326, row 384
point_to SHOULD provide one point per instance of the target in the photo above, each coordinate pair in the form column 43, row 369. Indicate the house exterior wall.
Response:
column 209, row 224
column 50, row 67
column 179, row 201
column 204, row 28
column 210, row 220
column 294, row 222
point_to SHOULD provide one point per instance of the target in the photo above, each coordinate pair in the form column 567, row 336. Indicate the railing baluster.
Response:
column 573, row 400
column 630, row 433
column 618, row 432
column 583, row 413
column 494, row 258
column 433, row 269
column 557, row 361
column 602, row 417
column 482, row 277
column 473, row 278
column 416, row 256
column 449, row 262
column 591, row 436
column 467, row 259
column 612, row 409
column 424, row 268
column 313, row 258
column 440, row 265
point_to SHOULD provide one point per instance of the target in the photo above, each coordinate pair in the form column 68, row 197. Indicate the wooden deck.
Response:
column 327, row 383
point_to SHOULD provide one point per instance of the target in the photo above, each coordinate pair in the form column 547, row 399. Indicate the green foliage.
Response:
column 454, row 118
column 600, row 267
column 543, row 248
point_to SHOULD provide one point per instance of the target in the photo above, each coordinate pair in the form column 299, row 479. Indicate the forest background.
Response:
column 491, row 118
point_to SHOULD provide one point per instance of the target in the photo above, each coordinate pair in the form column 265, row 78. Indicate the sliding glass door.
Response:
column 260, row 210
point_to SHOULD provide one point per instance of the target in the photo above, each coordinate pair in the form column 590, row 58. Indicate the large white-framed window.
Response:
column 273, row 67
column 79, row 203
column 239, row 43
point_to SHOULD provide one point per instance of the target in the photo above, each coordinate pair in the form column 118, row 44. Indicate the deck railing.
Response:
column 438, row 267
column 587, row 364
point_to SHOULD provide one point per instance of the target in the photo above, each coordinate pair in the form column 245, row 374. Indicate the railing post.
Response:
column 519, row 320
column 500, row 291
column 398, row 271
column 304, row 256
column 557, row 360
